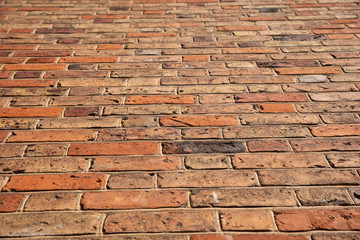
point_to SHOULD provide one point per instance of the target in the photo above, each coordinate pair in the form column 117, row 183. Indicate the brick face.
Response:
column 180, row 119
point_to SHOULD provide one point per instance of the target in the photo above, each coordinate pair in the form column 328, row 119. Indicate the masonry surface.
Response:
column 180, row 119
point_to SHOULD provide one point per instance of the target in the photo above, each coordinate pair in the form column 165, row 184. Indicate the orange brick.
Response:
column 109, row 46
column 199, row 121
column 276, row 108
column 195, row 58
column 87, row 60
column 55, row 182
column 116, row 148
column 31, row 112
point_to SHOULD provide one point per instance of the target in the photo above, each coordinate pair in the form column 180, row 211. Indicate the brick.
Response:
column 203, row 147
column 128, row 148
column 339, row 160
column 355, row 194
column 75, row 74
column 153, row 34
column 198, row 121
column 271, row 97
column 195, row 58
column 10, row 202
column 211, row 89
column 241, row 28
column 39, row 224
column 38, row 53
column 333, row 107
column 312, row 78
column 339, row 96
column 248, row 50
column 141, row 110
column 262, row 79
column 200, row 133
column 31, row 112
column 207, row 162
column 335, row 236
column 142, row 121
column 81, row 111
column 249, row 237
column 309, row 145
column 276, row 108
column 335, row 131
column 242, row 161
column 122, row 181
column 26, row 74
column 51, row 202
column 351, row 77
column 133, row 199
column 55, row 182
column 45, row 150
column 16, row 123
column 246, row 220
column 307, row 177
column 164, row 221
column 13, row 150
column 279, row 119
column 267, row 146
column 242, row 198
column 184, row 99
column 138, row 163
column 322, row 197
column 327, row 87
column 37, row 165
column 136, row 134
column 87, row 59
column 27, row 83
column 80, row 123
column 86, row 100
column 33, row 67
column 195, row 179
column 319, row 219
column 310, row 70
column 51, row 136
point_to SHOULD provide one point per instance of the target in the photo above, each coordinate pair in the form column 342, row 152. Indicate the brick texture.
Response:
column 180, row 119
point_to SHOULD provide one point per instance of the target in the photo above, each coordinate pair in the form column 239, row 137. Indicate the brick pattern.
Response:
column 180, row 119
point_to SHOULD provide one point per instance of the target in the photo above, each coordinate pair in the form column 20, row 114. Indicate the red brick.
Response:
column 51, row 136
column 268, row 146
column 184, row 121
column 318, row 219
column 55, row 182
column 31, row 112
column 164, row 221
column 133, row 199
column 17, row 47
column 10, row 202
column 34, row 74
column 116, row 148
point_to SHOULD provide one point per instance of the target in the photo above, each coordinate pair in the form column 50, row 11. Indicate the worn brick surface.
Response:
column 180, row 119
